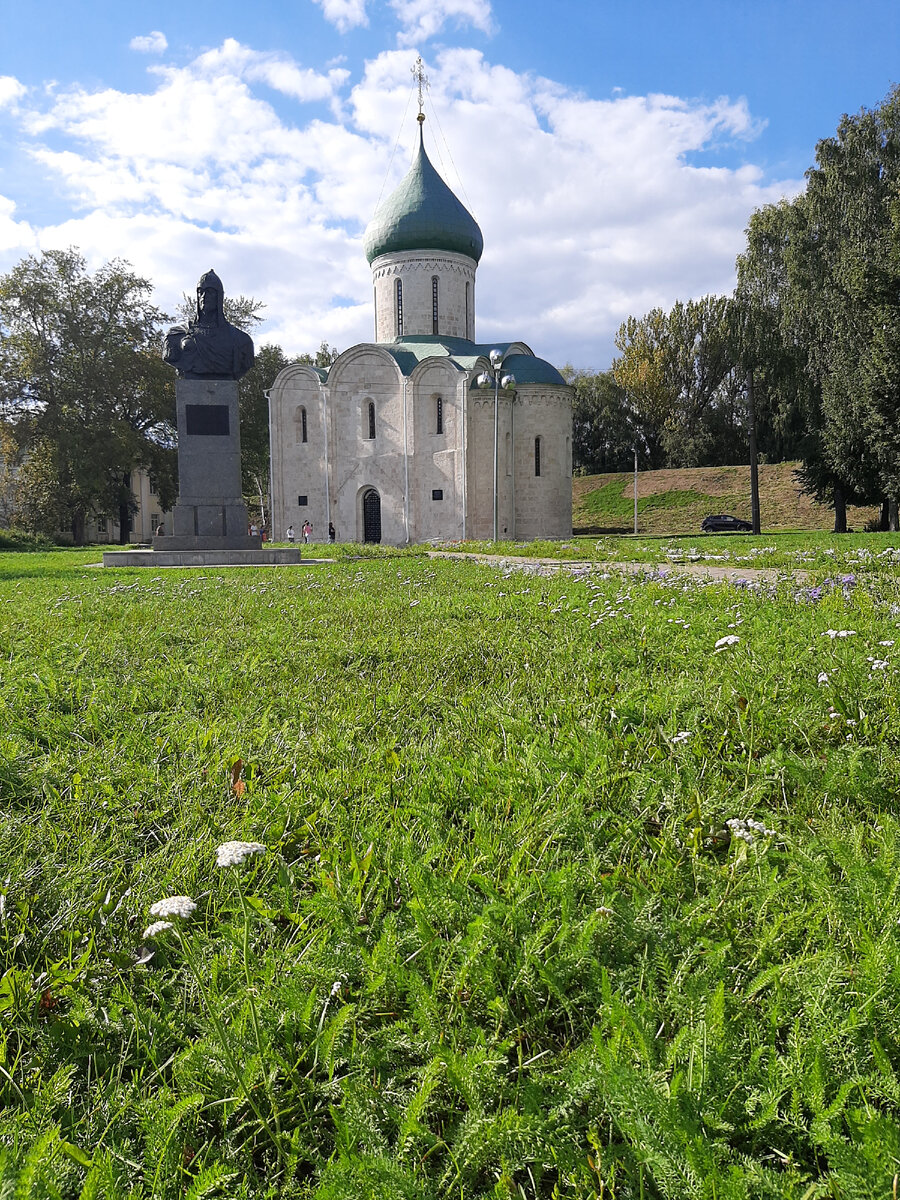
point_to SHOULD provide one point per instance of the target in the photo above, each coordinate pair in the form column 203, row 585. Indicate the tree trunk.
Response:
column 893, row 522
column 124, row 524
column 78, row 519
column 840, row 510
column 754, row 467
column 884, row 516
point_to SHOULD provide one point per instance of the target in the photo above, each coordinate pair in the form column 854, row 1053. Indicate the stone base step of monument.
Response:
column 270, row 557
column 192, row 542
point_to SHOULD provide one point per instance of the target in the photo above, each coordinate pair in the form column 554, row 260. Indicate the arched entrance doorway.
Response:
column 371, row 516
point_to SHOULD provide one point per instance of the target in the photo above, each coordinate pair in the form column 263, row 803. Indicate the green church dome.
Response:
column 423, row 214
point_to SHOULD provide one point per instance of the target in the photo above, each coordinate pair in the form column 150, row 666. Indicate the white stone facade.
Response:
column 431, row 460
column 424, row 294
column 395, row 443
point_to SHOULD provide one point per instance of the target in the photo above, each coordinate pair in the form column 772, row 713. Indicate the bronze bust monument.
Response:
column 209, row 347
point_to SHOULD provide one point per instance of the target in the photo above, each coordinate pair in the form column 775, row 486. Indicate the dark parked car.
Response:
column 723, row 523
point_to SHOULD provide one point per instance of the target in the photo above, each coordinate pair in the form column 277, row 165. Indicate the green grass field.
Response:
column 502, row 941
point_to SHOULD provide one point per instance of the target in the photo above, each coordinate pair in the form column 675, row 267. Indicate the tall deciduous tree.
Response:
column 851, row 258
column 822, row 275
column 81, row 373
column 603, row 432
column 254, row 408
column 680, row 375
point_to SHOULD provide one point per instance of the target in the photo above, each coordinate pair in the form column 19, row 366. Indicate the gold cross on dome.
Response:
column 418, row 74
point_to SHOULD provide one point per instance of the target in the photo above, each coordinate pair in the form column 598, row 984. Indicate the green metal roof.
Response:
column 409, row 352
column 423, row 214
column 529, row 369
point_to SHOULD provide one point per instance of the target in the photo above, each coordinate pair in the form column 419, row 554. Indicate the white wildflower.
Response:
column 157, row 927
column 839, row 633
column 730, row 639
column 232, row 854
column 879, row 664
column 336, row 988
column 682, row 736
column 885, row 643
column 748, row 830
column 759, row 827
column 173, row 906
column 823, row 677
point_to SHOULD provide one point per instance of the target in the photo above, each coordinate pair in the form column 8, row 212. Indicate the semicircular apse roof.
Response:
column 422, row 213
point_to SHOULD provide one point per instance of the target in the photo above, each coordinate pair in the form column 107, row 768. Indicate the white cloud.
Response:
column 591, row 209
column 150, row 43
column 11, row 90
column 16, row 237
column 422, row 19
column 344, row 14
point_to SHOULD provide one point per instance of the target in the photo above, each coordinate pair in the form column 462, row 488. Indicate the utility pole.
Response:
column 635, row 489
column 754, row 470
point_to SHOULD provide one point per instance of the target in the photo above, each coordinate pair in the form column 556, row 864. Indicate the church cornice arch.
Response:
column 361, row 350
column 295, row 373
column 451, row 368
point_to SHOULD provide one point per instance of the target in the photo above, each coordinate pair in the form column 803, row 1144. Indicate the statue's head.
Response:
column 210, row 296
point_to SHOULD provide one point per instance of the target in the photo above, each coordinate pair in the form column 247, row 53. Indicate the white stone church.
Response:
column 396, row 442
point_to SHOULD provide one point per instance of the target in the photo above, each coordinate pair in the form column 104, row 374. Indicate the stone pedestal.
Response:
column 210, row 513
column 268, row 556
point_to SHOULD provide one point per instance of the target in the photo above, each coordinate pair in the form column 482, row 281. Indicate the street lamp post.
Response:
column 495, row 378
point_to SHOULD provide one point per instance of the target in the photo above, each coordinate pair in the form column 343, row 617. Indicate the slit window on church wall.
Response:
column 537, row 456
column 467, row 311
column 439, row 414
column 434, row 306
column 371, row 420
column 399, row 308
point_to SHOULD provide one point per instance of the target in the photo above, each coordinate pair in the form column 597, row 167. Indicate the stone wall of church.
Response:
column 436, row 396
column 543, row 443
column 423, row 446
column 480, row 464
column 416, row 270
column 365, row 390
column 297, row 414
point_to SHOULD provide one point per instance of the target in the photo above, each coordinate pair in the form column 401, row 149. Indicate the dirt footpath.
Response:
column 548, row 566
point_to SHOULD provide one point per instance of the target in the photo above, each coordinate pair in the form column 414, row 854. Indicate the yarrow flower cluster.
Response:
column 839, row 633
column 730, row 639
column 748, row 830
column 682, row 736
column 232, row 854
column 156, row 928
column 173, row 906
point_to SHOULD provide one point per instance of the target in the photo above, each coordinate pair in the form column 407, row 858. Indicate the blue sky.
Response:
column 612, row 153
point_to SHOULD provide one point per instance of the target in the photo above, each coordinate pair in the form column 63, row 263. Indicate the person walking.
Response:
column 307, row 530
column 289, row 534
